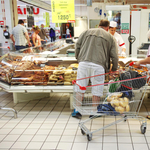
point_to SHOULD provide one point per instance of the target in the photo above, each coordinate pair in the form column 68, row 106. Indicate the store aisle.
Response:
column 47, row 124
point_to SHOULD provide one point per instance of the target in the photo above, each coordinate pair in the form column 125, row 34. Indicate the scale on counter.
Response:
column 70, row 53
column 143, row 48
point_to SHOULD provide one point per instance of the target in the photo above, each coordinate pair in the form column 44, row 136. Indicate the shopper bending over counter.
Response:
column 94, row 49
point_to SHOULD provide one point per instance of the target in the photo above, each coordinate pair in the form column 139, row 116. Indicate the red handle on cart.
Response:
column 131, row 63
column 81, row 87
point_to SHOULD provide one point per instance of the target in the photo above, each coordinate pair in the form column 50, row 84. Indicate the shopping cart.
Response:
column 122, row 96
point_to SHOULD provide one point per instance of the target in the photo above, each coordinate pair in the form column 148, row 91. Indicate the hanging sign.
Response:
column 62, row 11
column 125, row 28
column 47, row 19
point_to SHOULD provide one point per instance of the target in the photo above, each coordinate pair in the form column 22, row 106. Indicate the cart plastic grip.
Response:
column 131, row 63
column 73, row 81
column 82, row 88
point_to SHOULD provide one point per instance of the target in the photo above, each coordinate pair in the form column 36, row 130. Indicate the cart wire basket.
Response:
column 122, row 96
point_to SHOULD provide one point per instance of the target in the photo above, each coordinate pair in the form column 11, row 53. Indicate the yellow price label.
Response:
column 62, row 11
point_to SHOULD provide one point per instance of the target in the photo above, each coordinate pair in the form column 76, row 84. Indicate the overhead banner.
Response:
column 62, row 11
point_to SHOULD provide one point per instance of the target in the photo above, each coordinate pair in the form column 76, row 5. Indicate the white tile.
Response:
column 79, row 146
column 110, row 132
column 6, row 145
column 81, row 139
column 67, row 139
column 134, row 127
column 72, row 126
column 39, row 138
column 53, row 138
column 64, row 146
column 69, row 132
column 17, row 131
column 124, row 139
column 49, row 145
column 22, row 125
column 2, row 137
column 59, row 126
column 34, row 126
column 140, row 147
column 25, row 138
column 125, row 146
column 47, row 126
column 5, row 131
column 95, row 126
column 9, row 125
column 43, row 132
column 11, row 138
column 56, row 132
column 136, row 133
column 139, row 139
column 120, row 126
column 34, row 145
column 148, row 139
column 96, row 139
column 30, row 131
column 110, row 139
column 106, row 146
column 94, row 146
column 122, row 132
column 20, row 145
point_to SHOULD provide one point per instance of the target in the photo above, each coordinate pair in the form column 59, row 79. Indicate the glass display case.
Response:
column 34, row 69
column 49, row 46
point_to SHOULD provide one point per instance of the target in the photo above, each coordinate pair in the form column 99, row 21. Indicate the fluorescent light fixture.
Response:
column 117, row 7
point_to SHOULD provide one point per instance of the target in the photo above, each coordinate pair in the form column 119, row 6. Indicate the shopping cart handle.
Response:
column 82, row 88
column 131, row 63
column 73, row 81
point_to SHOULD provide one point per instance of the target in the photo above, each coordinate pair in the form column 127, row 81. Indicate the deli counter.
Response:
column 36, row 72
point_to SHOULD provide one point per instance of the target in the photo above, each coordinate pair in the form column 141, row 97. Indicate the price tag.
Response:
column 42, row 65
column 62, row 11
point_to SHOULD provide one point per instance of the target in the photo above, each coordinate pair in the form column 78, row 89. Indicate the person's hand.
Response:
column 137, row 63
column 123, row 54
column 29, row 44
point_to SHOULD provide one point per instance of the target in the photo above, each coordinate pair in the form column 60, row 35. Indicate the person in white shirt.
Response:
column 20, row 36
column 119, row 40
column 67, row 32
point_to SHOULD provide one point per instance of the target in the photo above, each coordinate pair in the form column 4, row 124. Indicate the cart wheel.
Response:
column 143, row 129
column 125, row 120
column 82, row 132
column 89, row 137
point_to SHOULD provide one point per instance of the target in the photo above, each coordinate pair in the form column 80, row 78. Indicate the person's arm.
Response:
column 143, row 61
column 114, row 55
column 12, row 38
column 27, row 37
column 33, row 40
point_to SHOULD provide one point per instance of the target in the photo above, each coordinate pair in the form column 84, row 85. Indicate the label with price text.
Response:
column 62, row 11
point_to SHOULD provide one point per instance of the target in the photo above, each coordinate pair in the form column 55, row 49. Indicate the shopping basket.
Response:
column 125, row 101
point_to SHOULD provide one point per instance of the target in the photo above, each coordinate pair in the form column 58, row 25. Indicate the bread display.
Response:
column 120, row 104
column 30, row 70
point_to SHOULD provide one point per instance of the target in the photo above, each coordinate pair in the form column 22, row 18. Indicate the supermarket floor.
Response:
column 47, row 124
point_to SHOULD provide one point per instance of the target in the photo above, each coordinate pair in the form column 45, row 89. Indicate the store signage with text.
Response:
column 125, row 28
column 23, row 11
column 1, row 22
column 62, row 11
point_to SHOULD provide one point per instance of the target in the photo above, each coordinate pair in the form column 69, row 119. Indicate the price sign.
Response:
column 125, row 28
column 62, row 11
column 42, row 65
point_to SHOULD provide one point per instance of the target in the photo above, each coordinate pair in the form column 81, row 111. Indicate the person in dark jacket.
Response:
column 52, row 34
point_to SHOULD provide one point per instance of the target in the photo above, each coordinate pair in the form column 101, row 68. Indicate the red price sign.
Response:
column 1, row 22
column 125, row 31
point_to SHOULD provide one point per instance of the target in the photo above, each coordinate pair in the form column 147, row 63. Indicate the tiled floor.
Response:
column 47, row 124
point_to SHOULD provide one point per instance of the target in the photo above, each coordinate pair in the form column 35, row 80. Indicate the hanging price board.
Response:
column 62, row 11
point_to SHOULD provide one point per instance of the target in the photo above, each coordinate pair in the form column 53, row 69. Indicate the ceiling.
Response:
column 107, row 1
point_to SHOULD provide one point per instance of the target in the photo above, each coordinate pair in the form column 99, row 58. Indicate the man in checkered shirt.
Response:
column 20, row 36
